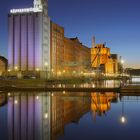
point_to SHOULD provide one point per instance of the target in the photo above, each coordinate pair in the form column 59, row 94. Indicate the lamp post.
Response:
column 59, row 74
column 16, row 68
column 122, row 65
column 37, row 72
column 9, row 72
column 64, row 73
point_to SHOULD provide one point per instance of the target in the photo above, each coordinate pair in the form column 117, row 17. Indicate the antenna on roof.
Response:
column 104, row 44
column 93, row 42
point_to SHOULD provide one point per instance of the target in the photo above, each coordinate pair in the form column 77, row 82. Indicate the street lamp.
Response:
column 74, row 73
column 59, row 73
column 122, row 64
column 122, row 61
column 37, row 72
column 16, row 102
column 121, row 71
column 9, row 72
column 46, row 115
column 46, row 64
column 64, row 73
column 16, row 68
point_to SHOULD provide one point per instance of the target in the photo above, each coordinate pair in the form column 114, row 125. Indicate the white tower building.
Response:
column 38, row 4
column 29, row 38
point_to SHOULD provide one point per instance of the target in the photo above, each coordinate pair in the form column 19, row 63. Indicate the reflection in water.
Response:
column 89, row 84
column 43, row 116
column 101, row 102
column 46, row 116
column 27, row 116
column 3, row 99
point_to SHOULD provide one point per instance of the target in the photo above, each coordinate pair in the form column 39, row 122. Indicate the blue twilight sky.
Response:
column 116, row 22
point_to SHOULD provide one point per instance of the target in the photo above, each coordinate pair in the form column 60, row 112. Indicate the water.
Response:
column 69, row 116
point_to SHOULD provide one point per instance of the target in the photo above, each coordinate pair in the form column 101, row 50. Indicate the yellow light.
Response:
column 64, row 92
column 37, row 69
column 122, row 61
column 59, row 85
column 46, row 115
column 9, row 70
column 16, row 68
column 37, row 97
column 93, row 85
column 74, row 72
column 93, row 73
column 64, row 71
column 46, row 64
column 59, row 72
column 9, row 94
column 52, row 94
column 16, row 102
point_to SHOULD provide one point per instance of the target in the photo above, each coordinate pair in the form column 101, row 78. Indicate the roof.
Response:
column 3, row 59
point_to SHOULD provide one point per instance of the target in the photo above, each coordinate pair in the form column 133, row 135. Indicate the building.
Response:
column 37, row 46
column 29, row 39
column 112, row 64
column 57, row 49
column 99, row 55
column 103, row 60
column 76, row 56
column 3, row 65
column 68, row 55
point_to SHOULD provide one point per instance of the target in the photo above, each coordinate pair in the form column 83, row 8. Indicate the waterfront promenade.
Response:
column 42, row 85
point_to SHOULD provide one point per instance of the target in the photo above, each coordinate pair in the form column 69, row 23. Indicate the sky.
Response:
column 116, row 22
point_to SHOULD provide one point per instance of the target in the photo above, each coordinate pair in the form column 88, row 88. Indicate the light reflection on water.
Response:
column 93, row 84
column 68, row 116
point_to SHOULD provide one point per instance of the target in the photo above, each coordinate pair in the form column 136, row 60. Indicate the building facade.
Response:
column 103, row 60
column 99, row 55
column 68, row 55
column 29, row 38
column 111, row 66
column 3, row 65
column 37, row 46
column 57, row 49
column 76, row 56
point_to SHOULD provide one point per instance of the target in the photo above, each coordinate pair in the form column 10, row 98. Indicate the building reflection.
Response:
column 67, row 109
column 43, row 116
column 26, row 116
column 3, row 99
column 101, row 102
